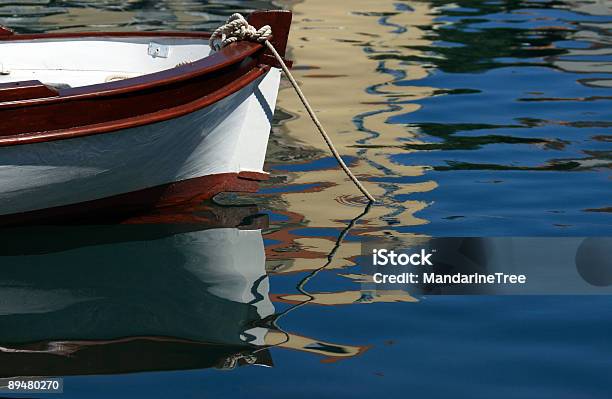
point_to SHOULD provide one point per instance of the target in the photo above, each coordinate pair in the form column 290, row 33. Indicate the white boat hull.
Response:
column 226, row 137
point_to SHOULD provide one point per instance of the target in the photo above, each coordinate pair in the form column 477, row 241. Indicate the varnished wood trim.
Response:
column 25, row 90
column 280, row 22
column 140, row 120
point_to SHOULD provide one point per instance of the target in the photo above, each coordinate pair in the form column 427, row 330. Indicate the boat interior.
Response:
column 76, row 62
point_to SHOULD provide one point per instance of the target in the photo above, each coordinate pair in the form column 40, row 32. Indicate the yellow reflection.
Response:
column 331, row 351
column 334, row 50
column 346, row 297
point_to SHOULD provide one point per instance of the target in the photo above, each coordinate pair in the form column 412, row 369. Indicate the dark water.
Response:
column 505, row 133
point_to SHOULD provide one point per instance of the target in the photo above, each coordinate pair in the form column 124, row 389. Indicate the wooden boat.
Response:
column 138, row 120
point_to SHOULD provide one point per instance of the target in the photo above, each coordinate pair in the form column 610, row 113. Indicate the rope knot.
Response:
column 235, row 29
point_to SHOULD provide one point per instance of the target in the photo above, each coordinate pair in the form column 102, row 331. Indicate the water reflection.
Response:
column 336, row 49
column 130, row 297
column 153, row 293
column 459, row 115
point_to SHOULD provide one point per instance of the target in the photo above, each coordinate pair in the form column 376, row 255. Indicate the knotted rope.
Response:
column 236, row 29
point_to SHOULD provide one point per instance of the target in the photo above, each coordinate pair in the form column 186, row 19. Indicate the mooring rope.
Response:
column 236, row 29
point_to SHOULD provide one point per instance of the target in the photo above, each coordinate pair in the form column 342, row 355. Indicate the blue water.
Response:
column 517, row 139
column 509, row 347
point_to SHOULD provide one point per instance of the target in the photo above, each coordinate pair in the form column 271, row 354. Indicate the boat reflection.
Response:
column 154, row 292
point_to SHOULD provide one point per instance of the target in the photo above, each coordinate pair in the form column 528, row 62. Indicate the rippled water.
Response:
column 466, row 118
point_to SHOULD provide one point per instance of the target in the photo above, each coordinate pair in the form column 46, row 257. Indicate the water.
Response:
column 467, row 118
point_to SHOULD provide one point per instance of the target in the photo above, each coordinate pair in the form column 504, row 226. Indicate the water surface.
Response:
column 466, row 118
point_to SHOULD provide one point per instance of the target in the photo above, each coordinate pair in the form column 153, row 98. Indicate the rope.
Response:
column 237, row 28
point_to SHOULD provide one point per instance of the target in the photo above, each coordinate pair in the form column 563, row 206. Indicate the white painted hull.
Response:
column 229, row 136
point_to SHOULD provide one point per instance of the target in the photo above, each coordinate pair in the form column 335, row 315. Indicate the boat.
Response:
column 132, row 120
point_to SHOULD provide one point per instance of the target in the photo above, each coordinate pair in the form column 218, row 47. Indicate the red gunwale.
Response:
column 151, row 98
column 130, row 122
